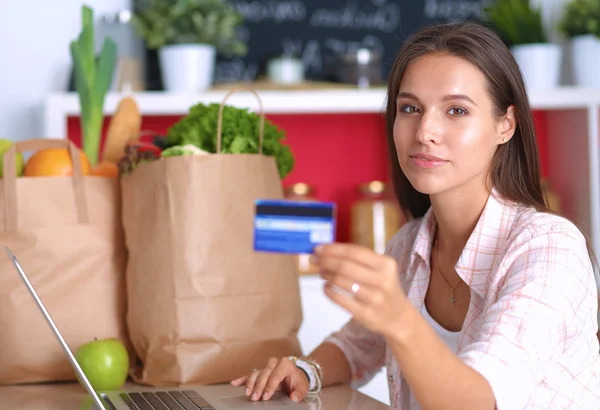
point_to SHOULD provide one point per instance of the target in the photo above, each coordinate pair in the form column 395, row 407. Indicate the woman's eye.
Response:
column 409, row 109
column 458, row 111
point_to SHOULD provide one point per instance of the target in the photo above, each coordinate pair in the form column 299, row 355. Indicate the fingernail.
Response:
column 295, row 398
column 255, row 396
column 247, row 391
column 266, row 396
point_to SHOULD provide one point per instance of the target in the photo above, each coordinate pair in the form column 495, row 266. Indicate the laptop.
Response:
column 212, row 397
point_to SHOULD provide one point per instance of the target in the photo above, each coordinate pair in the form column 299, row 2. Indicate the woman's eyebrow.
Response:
column 408, row 96
column 459, row 97
column 464, row 97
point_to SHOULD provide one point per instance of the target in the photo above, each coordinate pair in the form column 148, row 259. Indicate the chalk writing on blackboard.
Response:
column 316, row 31
column 274, row 11
column 385, row 17
column 456, row 9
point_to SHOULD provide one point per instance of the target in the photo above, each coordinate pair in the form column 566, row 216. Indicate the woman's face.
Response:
column 446, row 131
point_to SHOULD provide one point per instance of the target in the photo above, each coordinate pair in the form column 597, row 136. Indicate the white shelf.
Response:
column 322, row 101
column 573, row 129
column 292, row 102
column 59, row 106
column 302, row 101
column 564, row 98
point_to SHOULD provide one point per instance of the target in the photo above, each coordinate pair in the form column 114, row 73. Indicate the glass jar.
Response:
column 301, row 191
column 130, row 65
column 375, row 217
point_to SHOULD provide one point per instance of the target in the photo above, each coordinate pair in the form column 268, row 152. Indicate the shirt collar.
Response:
column 481, row 248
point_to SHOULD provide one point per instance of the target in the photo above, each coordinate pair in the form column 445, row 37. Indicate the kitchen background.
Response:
column 36, row 58
column 318, row 33
column 334, row 129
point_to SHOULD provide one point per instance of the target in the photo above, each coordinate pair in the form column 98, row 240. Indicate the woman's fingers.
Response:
column 299, row 387
column 250, row 382
column 263, row 377
column 239, row 381
column 264, row 383
column 356, row 290
column 284, row 368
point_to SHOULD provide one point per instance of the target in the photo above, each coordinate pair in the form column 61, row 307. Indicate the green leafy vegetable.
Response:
column 179, row 150
column 93, row 77
column 239, row 134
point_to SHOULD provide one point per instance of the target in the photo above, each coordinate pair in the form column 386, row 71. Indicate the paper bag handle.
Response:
column 220, row 120
column 10, row 177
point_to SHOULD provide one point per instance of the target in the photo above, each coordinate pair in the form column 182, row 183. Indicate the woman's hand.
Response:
column 371, row 285
column 278, row 375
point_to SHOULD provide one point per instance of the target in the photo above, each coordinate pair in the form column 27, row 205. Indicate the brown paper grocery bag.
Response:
column 66, row 233
column 203, row 307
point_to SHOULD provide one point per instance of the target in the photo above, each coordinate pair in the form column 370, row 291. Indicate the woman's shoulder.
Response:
column 529, row 223
column 545, row 237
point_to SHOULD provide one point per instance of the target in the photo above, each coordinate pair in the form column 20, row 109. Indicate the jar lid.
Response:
column 120, row 17
column 361, row 56
column 299, row 188
column 372, row 187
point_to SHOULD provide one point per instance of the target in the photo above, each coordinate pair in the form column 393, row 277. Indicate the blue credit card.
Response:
column 282, row 226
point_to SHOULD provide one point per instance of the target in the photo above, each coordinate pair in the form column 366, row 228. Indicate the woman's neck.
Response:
column 456, row 216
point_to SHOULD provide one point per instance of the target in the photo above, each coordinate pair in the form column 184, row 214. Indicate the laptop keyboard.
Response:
column 166, row 400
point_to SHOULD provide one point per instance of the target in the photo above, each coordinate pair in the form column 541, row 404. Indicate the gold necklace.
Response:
column 453, row 289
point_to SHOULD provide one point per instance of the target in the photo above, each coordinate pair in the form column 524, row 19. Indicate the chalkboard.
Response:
column 318, row 30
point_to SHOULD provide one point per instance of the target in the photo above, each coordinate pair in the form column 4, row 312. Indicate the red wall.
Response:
column 334, row 152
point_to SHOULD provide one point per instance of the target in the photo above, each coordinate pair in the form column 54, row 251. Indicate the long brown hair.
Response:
column 515, row 170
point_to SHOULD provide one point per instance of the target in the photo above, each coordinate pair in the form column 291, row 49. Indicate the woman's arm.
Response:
column 357, row 354
column 437, row 377
column 336, row 369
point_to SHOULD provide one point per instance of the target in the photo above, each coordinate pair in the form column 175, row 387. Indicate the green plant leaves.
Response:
column 581, row 17
column 518, row 21
column 213, row 22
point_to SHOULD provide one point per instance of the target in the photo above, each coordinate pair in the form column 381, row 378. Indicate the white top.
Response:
column 450, row 338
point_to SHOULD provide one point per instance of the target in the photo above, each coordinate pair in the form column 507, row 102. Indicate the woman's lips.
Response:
column 427, row 161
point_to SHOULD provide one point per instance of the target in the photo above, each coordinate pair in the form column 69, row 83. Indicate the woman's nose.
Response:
column 429, row 130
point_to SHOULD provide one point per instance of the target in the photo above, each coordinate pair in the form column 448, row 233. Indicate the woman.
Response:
column 484, row 299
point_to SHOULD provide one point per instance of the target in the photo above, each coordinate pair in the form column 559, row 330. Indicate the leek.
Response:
column 93, row 77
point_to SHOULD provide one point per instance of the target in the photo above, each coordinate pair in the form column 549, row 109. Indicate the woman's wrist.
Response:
column 403, row 332
column 313, row 372
column 305, row 373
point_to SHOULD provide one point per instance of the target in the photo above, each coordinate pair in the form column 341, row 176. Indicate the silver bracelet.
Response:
column 314, row 372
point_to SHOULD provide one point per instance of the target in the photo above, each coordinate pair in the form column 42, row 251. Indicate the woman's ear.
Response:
column 507, row 125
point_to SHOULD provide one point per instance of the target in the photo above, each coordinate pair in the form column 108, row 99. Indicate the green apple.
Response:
column 4, row 146
column 105, row 363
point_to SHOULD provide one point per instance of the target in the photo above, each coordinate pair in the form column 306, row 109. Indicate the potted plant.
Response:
column 581, row 24
column 521, row 25
column 187, row 35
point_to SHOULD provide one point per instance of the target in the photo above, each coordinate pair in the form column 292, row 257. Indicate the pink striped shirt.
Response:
column 531, row 325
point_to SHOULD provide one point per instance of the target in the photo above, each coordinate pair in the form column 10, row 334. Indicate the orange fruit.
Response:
column 54, row 162
column 106, row 169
